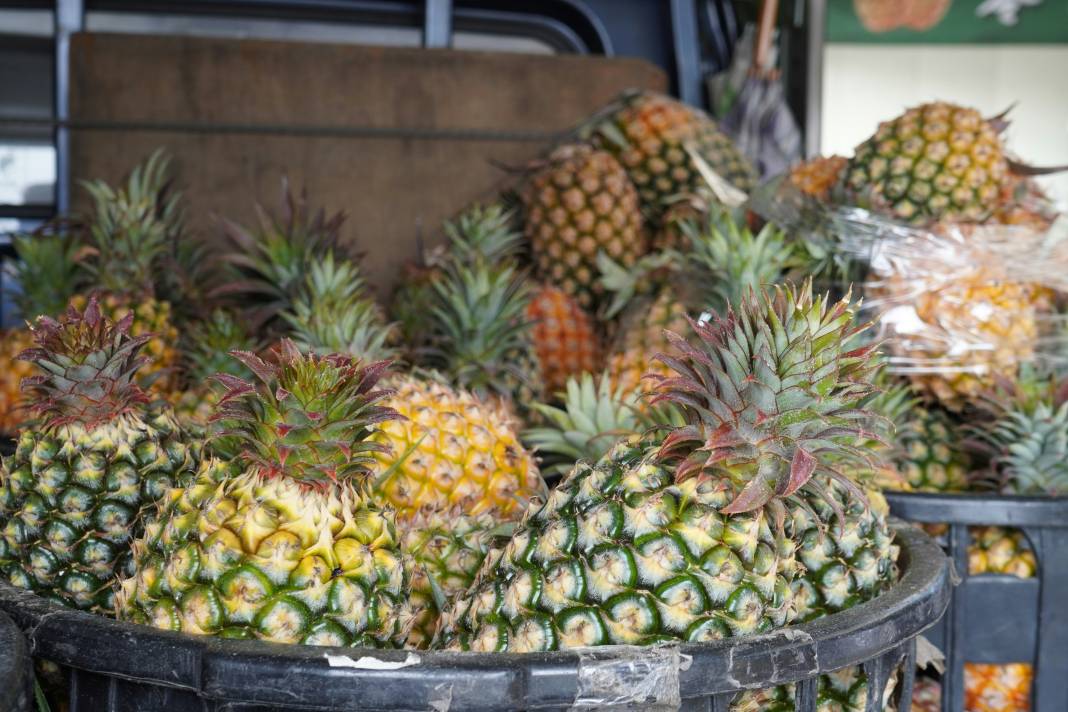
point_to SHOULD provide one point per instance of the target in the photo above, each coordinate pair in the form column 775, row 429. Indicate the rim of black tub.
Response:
column 16, row 676
column 874, row 634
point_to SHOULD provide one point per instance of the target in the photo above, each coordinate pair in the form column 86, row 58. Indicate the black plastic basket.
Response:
column 16, row 671
column 1002, row 619
column 113, row 666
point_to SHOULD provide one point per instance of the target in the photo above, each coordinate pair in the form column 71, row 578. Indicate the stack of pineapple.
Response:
column 262, row 450
column 968, row 288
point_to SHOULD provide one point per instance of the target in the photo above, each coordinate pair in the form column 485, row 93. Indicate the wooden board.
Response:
column 238, row 114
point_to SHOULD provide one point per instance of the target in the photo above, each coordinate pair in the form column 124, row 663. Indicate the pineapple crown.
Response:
column 131, row 227
column 89, row 364
column 771, row 396
column 270, row 263
column 727, row 260
column 310, row 418
column 46, row 271
column 209, row 343
column 480, row 324
column 484, row 232
column 334, row 314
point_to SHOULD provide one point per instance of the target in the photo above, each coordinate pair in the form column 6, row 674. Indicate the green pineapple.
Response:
column 481, row 335
column 86, row 475
column 676, row 536
column 286, row 543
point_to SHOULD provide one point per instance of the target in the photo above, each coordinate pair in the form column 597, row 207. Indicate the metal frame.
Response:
column 1020, row 618
column 115, row 665
column 16, row 671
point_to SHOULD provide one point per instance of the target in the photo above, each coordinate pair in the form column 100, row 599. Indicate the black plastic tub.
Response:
column 113, row 666
column 995, row 618
column 16, row 669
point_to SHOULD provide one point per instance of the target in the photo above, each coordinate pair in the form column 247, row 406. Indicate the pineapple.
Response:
column 667, row 147
column 446, row 549
column 564, row 337
column 579, row 204
column 481, row 336
column 931, row 458
column 642, row 337
column 997, row 688
column 47, row 276
column 129, row 231
column 996, row 550
column 287, row 542
column 675, row 536
column 818, row 177
column 206, row 352
column 935, row 162
column 485, row 233
column 449, row 449
column 83, row 479
column 593, row 416
column 268, row 265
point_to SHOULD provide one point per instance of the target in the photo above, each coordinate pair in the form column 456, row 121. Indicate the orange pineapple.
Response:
column 564, row 337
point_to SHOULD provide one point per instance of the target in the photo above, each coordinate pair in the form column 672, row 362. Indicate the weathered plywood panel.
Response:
column 387, row 185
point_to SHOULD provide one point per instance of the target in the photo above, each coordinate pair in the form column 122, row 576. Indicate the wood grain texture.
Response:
column 387, row 185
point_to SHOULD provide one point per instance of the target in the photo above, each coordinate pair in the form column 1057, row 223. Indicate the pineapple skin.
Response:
column 12, row 371
column 255, row 557
column 578, row 204
column 649, row 133
column 936, row 161
column 997, row 688
column 466, row 452
column 564, row 336
column 930, row 457
column 819, row 176
column 641, row 338
column 621, row 554
column 449, row 546
column 72, row 499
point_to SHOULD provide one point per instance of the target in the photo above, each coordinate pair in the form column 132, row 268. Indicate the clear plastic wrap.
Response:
column 959, row 306
column 630, row 677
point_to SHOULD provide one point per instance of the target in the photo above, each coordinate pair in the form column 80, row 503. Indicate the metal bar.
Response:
column 69, row 18
column 908, row 677
column 815, row 32
column 437, row 24
column 1050, row 685
column 955, row 620
column 322, row 131
column 805, row 695
column 687, row 50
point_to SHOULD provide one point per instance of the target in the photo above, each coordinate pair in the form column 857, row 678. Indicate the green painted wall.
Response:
column 1045, row 24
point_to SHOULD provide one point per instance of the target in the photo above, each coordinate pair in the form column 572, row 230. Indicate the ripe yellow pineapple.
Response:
column 997, row 688
column 578, row 204
column 564, row 336
column 935, row 162
column 818, row 176
column 12, row 370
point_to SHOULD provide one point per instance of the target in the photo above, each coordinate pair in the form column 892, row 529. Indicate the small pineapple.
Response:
column 46, row 272
column 818, row 177
column 666, row 146
column 287, row 542
column 674, row 536
column 129, row 231
column 935, row 162
column 564, row 336
column 446, row 549
column 580, row 204
column 931, row 457
column 641, row 339
column 449, row 449
column 85, row 476
column 997, row 688
column 996, row 550
column 206, row 351
column 481, row 338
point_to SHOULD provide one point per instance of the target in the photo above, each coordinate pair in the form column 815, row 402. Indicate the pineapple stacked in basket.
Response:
column 966, row 275
column 236, row 439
